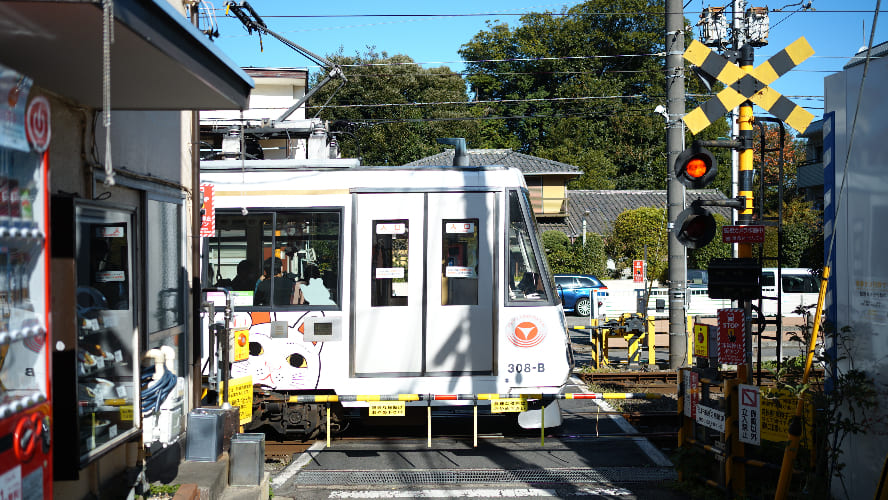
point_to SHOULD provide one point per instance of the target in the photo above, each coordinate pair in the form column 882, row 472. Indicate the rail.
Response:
column 394, row 404
column 367, row 398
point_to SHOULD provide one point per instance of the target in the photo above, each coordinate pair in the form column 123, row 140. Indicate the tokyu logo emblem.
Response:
column 526, row 332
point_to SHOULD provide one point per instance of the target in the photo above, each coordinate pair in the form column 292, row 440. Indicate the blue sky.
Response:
column 836, row 29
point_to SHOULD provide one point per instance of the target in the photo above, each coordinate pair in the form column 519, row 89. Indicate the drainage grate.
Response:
column 487, row 476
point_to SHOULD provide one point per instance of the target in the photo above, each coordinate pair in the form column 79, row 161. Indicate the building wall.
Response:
column 151, row 152
column 856, row 215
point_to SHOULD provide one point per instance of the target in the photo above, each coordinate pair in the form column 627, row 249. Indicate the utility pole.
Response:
column 675, row 191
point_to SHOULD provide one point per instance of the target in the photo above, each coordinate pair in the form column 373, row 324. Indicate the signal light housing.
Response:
column 695, row 227
column 696, row 167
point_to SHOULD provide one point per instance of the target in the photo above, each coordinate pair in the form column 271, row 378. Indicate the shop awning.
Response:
column 158, row 59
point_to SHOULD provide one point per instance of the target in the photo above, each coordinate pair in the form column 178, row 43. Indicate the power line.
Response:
column 550, row 14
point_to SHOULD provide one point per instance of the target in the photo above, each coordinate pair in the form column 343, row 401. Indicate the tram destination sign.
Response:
column 743, row 234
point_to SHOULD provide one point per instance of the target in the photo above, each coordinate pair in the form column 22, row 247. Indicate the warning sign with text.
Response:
column 731, row 336
column 691, row 380
column 778, row 408
column 748, row 418
column 240, row 394
column 711, row 418
column 701, row 340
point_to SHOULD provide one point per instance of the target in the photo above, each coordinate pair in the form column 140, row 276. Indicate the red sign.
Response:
column 638, row 271
column 526, row 334
column 743, row 234
column 731, row 336
column 208, row 209
column 37, row 127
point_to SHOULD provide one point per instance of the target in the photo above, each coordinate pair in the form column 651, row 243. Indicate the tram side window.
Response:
column 459, row 278
column 525, row 279
column 281, row 258
column 389, row 263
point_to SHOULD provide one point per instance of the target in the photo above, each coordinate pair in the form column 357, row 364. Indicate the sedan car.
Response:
column 577, row 289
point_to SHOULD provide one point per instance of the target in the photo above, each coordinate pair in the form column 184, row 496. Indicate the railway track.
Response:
column 660, row 427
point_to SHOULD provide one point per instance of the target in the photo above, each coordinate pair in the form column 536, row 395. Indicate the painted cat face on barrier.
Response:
column 279, row 357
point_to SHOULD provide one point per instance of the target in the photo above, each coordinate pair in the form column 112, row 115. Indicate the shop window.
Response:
column 389, row 273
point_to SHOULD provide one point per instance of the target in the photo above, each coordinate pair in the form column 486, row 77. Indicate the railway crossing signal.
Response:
column 695, row 167
column 695, row 226
column 752, row 85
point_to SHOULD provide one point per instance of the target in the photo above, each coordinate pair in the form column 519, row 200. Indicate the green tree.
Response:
column 585, row 85
column 639, row 231
column 802, row 236
column 398, row 131
column 566, row 257
column 793, row 155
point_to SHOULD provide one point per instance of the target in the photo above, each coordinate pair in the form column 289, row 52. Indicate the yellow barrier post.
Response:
column 605, row 335
column 595, row 337
column 328, row 425
column 651, row 340
column 429, row 412
column 689, row 335
column 795, row 426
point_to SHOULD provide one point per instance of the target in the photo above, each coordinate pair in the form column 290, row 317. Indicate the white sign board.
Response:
column 692, row 393
column 749, row 414
column 711, row 418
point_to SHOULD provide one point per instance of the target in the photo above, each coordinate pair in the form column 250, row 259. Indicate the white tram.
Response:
column 383, row 281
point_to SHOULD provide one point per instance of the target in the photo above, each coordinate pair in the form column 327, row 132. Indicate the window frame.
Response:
column 526, row 213
column 339, row 211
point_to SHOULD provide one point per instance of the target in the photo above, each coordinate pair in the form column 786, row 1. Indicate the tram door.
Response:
column 423, row 284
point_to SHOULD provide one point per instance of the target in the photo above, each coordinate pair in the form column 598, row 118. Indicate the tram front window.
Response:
column 524, row 276
column 282, row 258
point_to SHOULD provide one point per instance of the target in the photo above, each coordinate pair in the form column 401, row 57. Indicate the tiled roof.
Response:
column 605, row 205
column 479, row 157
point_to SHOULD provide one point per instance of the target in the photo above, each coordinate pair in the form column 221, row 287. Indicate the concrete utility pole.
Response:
column 675, row 193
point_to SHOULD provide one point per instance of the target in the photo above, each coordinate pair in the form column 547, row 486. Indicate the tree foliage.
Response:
column 638, row 232
column 802, row 236
column 566, row 257
column 398, row 132
column 793, row 155
column 589, row 80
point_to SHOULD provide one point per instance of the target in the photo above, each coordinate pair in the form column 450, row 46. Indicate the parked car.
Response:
column 575, row 291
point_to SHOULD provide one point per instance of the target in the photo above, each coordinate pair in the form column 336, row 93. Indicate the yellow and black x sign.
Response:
column 742, row 85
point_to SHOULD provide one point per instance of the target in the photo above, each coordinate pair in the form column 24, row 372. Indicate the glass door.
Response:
column 106, row 339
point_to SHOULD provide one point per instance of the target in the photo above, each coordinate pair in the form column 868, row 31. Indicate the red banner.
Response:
column 208, row 209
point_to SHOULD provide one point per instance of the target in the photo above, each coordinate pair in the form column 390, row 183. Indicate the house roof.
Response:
column 605, row 205
column 479, row 157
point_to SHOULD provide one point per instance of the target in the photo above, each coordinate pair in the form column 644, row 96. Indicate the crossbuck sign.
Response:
column 742, row 85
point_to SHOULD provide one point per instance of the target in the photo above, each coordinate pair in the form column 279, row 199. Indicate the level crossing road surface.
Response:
column 592, row 455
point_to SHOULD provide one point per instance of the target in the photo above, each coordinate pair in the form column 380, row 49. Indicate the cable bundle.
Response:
column 154, row 393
